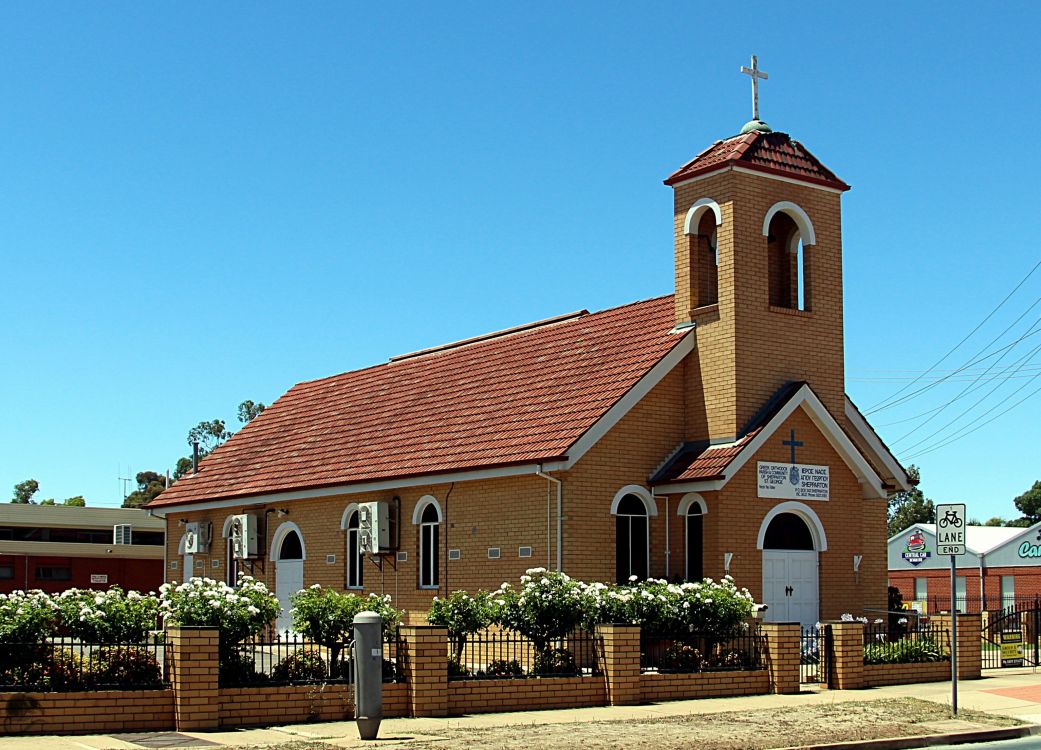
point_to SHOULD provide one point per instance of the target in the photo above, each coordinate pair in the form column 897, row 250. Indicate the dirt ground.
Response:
column 775, row 728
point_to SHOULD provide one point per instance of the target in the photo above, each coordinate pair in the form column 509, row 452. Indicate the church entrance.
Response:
column 790, row 581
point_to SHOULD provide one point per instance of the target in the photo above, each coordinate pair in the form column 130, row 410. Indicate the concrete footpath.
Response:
column 1015, row 693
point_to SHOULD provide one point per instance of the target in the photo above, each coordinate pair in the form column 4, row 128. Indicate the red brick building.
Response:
column 55, row 547
column 1001, row 568
column 696, row 434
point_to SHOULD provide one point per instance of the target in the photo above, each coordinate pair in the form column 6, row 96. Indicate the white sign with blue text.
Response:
column 794, row 481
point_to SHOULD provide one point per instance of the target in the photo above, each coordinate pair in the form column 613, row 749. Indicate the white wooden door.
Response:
column 289, row 578
column 790, row 586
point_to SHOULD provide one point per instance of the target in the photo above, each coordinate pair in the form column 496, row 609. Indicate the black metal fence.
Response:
column 292, row 659
column 977, row 604
column 924, row 642
column 68, row 664
column 815, row 655
column 702, row 654
column 503, row 654
column 1012, row 637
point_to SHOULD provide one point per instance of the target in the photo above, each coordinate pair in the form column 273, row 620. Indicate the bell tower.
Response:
column 758, row 259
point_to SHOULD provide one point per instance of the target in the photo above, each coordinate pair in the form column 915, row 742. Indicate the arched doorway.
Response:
column 288, row 554
column 791, row 537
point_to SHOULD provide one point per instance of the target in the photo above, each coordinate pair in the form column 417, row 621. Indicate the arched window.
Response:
column 695, row 522
column 632, row 539
column 429, row 547
column 700, row 226
column 789, row 233
column 352, row 553
column 787, row 531
column 291, row 548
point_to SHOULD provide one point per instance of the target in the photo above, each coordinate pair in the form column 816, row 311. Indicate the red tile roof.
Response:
column 517, row 398
column 773, row 153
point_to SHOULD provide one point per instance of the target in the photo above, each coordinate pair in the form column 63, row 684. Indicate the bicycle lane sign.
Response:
column 950, row 529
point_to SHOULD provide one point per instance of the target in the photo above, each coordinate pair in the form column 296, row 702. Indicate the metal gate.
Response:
column 1018, row 628
column 816, row 647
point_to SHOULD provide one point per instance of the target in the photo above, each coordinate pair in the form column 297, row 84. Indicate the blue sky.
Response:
column 203, row 203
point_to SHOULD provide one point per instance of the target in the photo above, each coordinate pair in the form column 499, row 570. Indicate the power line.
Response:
column 885, row 402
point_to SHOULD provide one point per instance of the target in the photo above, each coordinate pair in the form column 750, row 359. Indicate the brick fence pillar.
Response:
column 970, row 649
column 621, row 649
column 426, row 669
column 848, row 655
column 783, row 654
column 193, row 652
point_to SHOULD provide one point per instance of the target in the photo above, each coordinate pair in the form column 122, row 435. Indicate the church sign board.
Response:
column 793, row 481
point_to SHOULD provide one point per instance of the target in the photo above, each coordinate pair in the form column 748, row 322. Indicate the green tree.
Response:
column 77, row 501
column 24, row 491
column 911, row 507
column 1029, row 504
column 149, row 485
column 248, row 411
column 995, row 521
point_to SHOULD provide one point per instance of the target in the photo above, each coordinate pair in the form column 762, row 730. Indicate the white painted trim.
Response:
column 641, row 492
column 798, row 215
column 225, row 531
column 628, row 401
column 699, row 207
column 702, row 486
column 363, row 487
column 805, row 512
column 757, row 173
column 807, row 399
column 180, row 544
column 280, row 533
column 421, row 506
column 691, row 498
column 347, row 515
column 860, row 424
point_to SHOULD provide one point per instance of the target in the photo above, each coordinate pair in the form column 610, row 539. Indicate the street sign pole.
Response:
column 954, row 642
column 950, row 540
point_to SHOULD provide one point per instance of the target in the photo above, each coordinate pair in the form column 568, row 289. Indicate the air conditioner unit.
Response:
column 122, row 533
column 197, row 537
column 244, row 536
column 374, row 528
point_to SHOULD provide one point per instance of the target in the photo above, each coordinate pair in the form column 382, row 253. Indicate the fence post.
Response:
column 970, row 646
column 426, row 669
column 621, row 650
column 848, row 665
column 784, row 655
column 195, row 673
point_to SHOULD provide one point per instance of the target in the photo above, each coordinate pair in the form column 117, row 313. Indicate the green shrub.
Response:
column 124, row 666
column 556, row 661
column 906, row 651
column 236, row 612
column 729, row 659
column 457, row 668
column 107, row 616
column 502, row 668
column 680, row 657
column 462, row 615
column 238, row 669
column 300, row 665
column 26, row 617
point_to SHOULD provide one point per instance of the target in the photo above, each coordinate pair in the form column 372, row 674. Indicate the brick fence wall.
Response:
column 86, row 713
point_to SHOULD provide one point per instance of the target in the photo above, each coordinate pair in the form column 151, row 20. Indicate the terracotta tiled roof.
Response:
column 700, row 461
column 518, row 398
column 774, row 153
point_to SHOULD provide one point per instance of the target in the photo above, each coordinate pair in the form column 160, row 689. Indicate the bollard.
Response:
column 368, row 674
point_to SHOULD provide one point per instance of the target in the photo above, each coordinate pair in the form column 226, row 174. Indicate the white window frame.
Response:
column 429, row 534
column 650, row 509
column 353, row 564
column 688, row 503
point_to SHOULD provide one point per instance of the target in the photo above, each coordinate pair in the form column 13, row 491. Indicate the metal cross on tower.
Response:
column 755, row 74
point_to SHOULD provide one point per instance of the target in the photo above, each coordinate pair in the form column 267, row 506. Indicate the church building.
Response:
column 698, row 434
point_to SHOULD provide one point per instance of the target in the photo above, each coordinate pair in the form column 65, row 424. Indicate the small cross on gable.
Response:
column 793, row 443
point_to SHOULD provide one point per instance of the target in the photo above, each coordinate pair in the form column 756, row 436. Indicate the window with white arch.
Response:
column 694, row 545
column 632, row 538
column 789, row 235
column 428, row 517
column 353, row 558
column 700, row 226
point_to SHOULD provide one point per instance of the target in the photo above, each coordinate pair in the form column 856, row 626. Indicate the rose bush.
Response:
column 547, row 606
column 462, row 615
column 237, row 612
column 27, row 617
column 107, row 616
